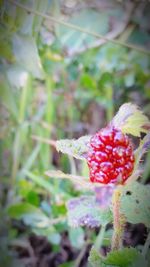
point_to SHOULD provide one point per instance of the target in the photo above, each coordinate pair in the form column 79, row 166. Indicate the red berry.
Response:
column 110, row 156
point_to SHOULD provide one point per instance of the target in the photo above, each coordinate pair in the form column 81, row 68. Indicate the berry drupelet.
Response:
column 110, row 156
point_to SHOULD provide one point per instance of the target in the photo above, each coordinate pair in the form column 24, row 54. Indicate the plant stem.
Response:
column 146, row 245
column 20, row 130
column 100, row 237
column 119, row 221
column 81, row 254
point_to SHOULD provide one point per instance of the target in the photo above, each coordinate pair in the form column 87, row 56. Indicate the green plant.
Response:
column 85, row 210
column 60, row 80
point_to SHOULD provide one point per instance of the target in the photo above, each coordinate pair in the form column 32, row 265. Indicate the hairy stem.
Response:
column 119, row 221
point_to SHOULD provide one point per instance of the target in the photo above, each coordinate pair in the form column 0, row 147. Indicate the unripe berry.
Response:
column 110, row 156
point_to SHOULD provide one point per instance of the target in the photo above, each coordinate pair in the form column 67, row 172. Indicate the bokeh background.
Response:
column 66, row 67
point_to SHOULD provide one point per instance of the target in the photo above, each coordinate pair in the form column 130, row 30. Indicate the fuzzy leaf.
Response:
column 85, row 211
column 135, row 203
column 80, row 180
column 121, row 258
column 75, row 147
column 95, row 259
column 143, row 148
column 131, row 120
column 76, row 179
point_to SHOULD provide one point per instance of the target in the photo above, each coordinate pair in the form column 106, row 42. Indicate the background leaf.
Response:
column 26, row 54
column 29, row 213
column 121, row 258
column 95, row 259
column 76, row 236
column 7, row 95
column 135, row 203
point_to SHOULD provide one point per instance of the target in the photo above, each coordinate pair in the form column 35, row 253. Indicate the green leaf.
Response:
column 40, row 181
column 85, row 211
column 75, row 147
column 105, row 79
column 29, row 213
column 76, row 237
column 26, row 54
column 131, row 120
column 40, row 6
column 88, row 82
column 135, row 203
column 95, row 259
column 24, row 20
column 17, row 76
column 90, row 19
column 139, row 261
column 67, row 264
column 50, row 233
column 8, row 96
column 121, row 258
column 5, row 43
column 33, row 198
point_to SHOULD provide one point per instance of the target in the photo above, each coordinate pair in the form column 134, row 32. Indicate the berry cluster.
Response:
column 110, row 156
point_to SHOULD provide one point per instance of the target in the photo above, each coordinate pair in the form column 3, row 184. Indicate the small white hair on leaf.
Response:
column 131, row 120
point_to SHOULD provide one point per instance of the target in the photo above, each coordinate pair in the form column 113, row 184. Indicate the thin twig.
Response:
column 44, row 140
column 118, row 29
column 57, row 220
column 47, row 126
column 81, row 254
column 77, row 28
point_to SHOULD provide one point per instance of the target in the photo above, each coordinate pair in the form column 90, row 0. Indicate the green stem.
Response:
column 23, row 100
column 100, row 237
column 119, row 221
column 146, row 245
column 20, row 133
column 81, row 254
column 109, row 97
column 72, row 165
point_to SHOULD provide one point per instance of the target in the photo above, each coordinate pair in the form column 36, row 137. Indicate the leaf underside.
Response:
column 131, row 120
column 84, row 211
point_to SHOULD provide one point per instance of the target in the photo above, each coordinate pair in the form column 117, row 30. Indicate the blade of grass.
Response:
column 30, row 160
column 41, row 182
column 49, row 115
column 21, row 130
